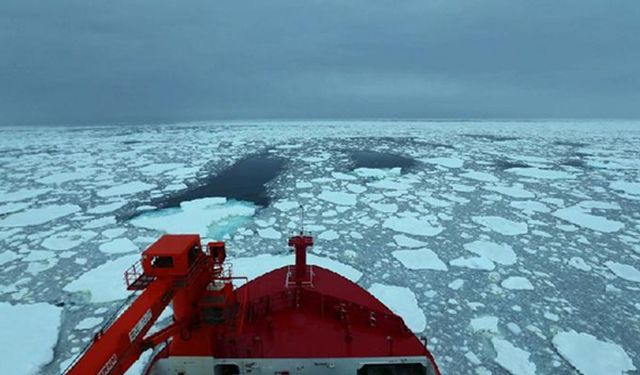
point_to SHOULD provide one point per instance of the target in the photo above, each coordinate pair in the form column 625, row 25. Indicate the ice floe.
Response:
column 475, row 263
column 406, row 241
column 29, row 335
column 577, row 215
column 401, row 301
column 501, row 225
column 119, row 245
column 450, row 162
column 480, row 176
column 66, row 240
column 128, row 188
column 591, row 356
column 338, row 197
column 514, row 360
column 413, row 226
column 499, row 253
column 37, row 216
column 632, row 188
column 21, row 195
column 210, row 217
column 104, row 283
column 485, row 324
column 420, row 259
column 511, row 191
column 624, row 271
column 517, row 283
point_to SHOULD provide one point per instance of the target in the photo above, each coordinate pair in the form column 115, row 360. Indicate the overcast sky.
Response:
column 85, row 62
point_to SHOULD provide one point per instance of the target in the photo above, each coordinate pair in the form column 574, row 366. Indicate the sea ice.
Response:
column 450, row 162
column 540, row 173
column 339, row 198
column 480, row 176
column 591, row 356
column 210, row 217
column 577, row 216
column 475, row 263
column 411, row 225
column 420, row 259
column 88, row 323
column 514, row 360
column 103, row 283
column 485, row 324
column 66, row 240
column 120, row 245
column 405, row 241
column 128, row 188
column 401, row 301
column 511, row 191
column 106, row 208
column 29, row 335
column 13, row 207
column 501, row 225
column 530, row 206
column 499, row 253
column 37, row 216
column 624, row 271
column 632, row 188
column 21, row 195
column 517, row 283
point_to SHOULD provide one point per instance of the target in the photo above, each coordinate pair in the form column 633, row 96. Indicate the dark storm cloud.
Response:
column 158, row 60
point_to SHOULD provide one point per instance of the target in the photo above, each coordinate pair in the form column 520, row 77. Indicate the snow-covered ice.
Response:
column 401, row 301
column 591, row 356
column 29, row 335
column 624, row 271
column 420, row 259
column 413, row 226
column 497, row 252
column 37, row 216
column 128, row 188
column 105, row 282
column 501, row 225
column 513, row 359
column 517, row 283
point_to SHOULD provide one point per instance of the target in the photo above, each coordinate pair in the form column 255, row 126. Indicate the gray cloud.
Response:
column 77, row 61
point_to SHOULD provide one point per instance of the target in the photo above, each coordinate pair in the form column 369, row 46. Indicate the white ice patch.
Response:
column 420, row 259
column 624, row 271
column 117, row 246
column 591, row 356
column 38, row 216
column 212, row 218
column 405, row 241
column 475, row 263
column 104, row 283
column 514, row 360
column 21, row 195
column 128, row 188
column 547, row 174
column 328, row 235
column 106, row 208
column 530, row 206
column 485, row 324
column 501, row 225
column 88, row 323
column 499, row 253
column 517, row 283
column 286, row 205
column 632, row 188
column 445, row 162
column 579, row 263
column 338, row 197
column 377, row 172
column 411, row 225
column 252, row 267
column 269, row 233
column 401, row 301
column 13, row 207
column 480, row 176
column 67, row 240
column 29, row 334
column 8, row 256
column 578, row 215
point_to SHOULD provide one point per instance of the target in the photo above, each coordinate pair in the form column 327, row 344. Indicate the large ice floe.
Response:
column 29, row 335
column 495, row 246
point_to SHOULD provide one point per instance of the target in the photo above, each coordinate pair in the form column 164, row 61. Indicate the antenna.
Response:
column 301, row 219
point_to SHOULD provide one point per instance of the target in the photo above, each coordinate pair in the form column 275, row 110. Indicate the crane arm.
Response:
column 115, row 349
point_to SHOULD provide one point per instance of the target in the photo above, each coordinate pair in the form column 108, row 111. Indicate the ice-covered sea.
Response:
column 513, row 246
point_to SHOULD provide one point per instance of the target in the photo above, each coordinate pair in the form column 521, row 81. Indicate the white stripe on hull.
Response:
column 262, row 366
